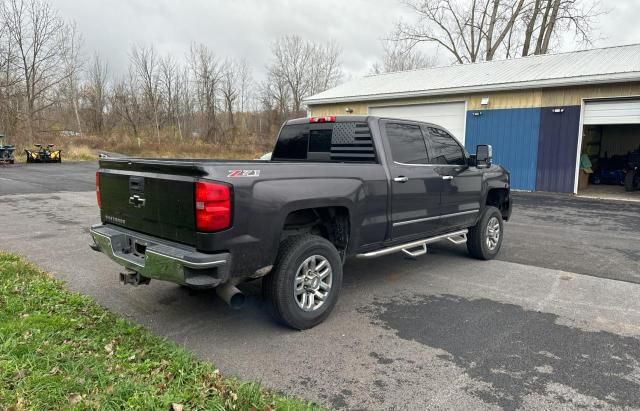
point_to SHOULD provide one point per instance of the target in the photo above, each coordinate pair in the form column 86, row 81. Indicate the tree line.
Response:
column 49, row 83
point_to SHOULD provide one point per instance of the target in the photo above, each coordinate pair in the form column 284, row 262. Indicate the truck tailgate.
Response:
column 161, row 205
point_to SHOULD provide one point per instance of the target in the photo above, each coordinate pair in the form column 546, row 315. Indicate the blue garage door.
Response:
column 513, row 133
column 557, row 149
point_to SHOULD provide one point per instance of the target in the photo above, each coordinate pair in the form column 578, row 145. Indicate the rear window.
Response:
column 331, row 142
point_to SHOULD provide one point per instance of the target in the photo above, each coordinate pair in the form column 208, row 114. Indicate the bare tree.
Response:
column 399, row 56
column 206, row 76
column 169, row 80
column 126, row 103
column 276, row 95
column 73, row 70
column 245, row 81
column 185, row 103
column 245, row 92
column 479, row 30
column 9, row 81
column 292, row 56
column 145, row 65
column 96, row 93
column 41, row 41
column 325, row 70
column 230, row 91
column 306, row 67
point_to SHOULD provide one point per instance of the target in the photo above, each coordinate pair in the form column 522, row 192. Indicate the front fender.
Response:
column 497, row 177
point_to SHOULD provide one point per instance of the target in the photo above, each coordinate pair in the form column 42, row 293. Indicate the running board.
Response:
column 456, row 237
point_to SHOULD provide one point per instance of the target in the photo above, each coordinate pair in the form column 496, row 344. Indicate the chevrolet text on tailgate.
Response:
column 335, row 187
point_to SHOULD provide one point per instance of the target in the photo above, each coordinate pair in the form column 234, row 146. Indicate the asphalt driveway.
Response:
column 554, row 323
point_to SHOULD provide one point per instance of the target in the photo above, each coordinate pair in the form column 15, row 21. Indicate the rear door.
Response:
column 461, row 185
column 415, row 186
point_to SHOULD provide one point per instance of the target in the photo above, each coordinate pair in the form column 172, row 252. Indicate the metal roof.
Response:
column 605, row 65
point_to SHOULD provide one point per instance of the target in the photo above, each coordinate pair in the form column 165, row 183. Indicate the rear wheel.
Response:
column 485, row 238
column 628, row 180
column 303, row 286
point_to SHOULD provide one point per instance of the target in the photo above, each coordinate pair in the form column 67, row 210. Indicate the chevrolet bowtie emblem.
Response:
column 136, row 201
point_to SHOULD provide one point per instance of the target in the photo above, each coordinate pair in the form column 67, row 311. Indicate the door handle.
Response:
column 401, row 179
column 447, row 177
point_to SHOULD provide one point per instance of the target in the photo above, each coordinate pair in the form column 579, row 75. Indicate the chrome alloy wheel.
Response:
column 313, row 283
column 493, row 233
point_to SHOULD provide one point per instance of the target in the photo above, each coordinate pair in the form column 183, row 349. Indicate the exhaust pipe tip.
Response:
column 237, row 301
column 231, row 295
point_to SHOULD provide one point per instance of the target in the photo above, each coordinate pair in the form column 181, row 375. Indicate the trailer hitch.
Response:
column 133, row 278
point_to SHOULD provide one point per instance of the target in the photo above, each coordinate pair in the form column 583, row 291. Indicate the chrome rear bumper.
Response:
column 161, row 260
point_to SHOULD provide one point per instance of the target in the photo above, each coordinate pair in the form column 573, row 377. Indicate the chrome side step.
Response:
column 459, row 239
column 456, row 237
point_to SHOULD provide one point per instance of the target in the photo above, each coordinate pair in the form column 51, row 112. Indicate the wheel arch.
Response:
column 500, row 198
column 332, row 222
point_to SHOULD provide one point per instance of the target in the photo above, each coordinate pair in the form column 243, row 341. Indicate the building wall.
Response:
column 565, row 96
column 572, row 96
column 514, row 134
column 536, row 145
column 498, row 100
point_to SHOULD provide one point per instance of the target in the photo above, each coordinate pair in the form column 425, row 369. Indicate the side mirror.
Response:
column 484, row 155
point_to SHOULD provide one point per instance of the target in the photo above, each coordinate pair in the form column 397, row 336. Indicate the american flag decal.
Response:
column 352, row 142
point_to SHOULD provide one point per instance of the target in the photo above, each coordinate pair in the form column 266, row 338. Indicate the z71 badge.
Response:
column 243, row 173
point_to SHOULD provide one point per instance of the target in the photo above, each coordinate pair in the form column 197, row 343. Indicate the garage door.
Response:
column 612, row 112
column 448, row 115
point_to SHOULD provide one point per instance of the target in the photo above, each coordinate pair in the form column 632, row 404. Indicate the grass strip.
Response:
column 61, row 350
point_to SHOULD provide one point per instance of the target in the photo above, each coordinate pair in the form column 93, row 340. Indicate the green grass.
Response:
column 61, row 350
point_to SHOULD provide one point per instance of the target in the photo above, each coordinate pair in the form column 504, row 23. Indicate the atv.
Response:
column 6, row 152
column 44, row 154
column 632, row 178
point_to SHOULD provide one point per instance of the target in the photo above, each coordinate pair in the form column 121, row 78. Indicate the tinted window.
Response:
column 346, row 142
column 443, row 148
column 407, row 144
column 292, row 144
column 320, row 140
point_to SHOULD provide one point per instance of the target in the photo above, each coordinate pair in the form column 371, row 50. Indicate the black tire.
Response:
column 279, row 285
column 628, row 180
column 477, row 236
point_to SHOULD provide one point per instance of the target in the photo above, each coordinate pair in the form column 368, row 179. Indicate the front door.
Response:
column 461, row 184
column 415, row 186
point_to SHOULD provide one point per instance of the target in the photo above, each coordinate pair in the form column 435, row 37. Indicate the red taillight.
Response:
column 98, row 189
column 213, row 206
column 325, row 119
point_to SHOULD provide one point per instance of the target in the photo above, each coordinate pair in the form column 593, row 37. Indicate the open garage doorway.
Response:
column 610, row 144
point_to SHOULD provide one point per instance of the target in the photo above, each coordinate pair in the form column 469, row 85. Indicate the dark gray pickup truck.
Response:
column 335, row 187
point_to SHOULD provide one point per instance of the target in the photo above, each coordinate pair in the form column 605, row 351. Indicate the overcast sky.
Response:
column 245, row 28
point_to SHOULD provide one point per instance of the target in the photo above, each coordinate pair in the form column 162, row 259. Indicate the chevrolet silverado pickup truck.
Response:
column 335, row 187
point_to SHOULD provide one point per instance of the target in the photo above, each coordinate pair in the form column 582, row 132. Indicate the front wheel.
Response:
column 485, row 238
column 303, row 286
